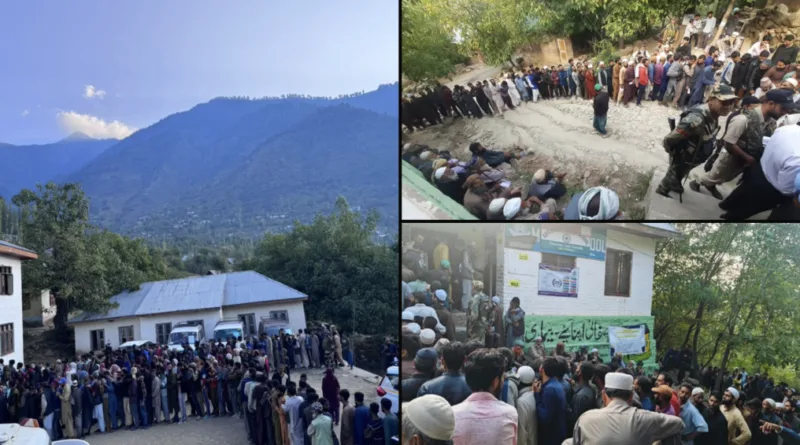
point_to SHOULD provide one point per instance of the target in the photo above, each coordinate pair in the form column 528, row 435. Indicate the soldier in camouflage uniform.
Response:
column 695, row 131
column 479, row 314
column 741, row 146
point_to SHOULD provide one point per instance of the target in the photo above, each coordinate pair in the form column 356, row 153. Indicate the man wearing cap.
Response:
column 596, row 204
column 618, row 423
column 424, row 365
column 494, row 333
column 480, row 312
column 738, row 431
column 743, row 141
column 451, row 384
column 482, row 418
column 526, row 407
column 770, row 183
column 786, row 51
column 419, row 309
column 689, row 143
column 426, row 419
column 444, row 315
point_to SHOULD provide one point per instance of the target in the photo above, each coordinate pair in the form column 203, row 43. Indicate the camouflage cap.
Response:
column 723, row 92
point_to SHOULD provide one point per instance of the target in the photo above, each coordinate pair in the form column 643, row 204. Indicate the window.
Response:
column 6, row 281
column 6, row 339
column 162, row 333
column 552, row 259
column 249, row 322
column 98, row 339
column 279, row 315
column 618, row 273
column 125, row 334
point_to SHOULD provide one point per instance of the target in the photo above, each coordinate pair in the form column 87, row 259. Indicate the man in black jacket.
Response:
column 585, row 397
column 755, row 72
column 786, row 52
column 600, row 110
column 424, row 365
column 740, row 73
column 451, row 384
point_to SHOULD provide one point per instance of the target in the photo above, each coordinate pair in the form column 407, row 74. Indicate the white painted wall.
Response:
column 591, row 281
column 144, row 328
column 83, row 342
column 11, row 308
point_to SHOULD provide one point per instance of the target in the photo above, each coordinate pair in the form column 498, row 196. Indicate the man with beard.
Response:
column 663, row 395
column 629, row 83
column 758, row 67
column 689, row 143
column 717, row 424
column 480, row 96
column 693, row 422
column 738, row 431
column 697, row 399
column 482, row 418
column 585, row 397
column 450, row 182
column 743, row 141
column 789, row 416
column 445, row 317
column 665, row 379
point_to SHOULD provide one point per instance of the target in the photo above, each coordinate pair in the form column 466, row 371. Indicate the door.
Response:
column 562, row 51
column 162, row 333
column 249, row 322
column 98, row 340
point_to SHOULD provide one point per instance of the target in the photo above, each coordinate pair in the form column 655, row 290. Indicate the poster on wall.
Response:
column 519, row 230
column 626, row 339
column 558, row 281
column 577, row 241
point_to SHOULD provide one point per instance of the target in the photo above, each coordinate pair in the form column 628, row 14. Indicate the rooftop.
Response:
column 20, row 252
column 196, row 293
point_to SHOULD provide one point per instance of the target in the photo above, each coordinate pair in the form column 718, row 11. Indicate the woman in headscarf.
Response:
column 330, row 390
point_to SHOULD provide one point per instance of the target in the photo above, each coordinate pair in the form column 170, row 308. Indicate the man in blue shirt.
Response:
column 693, row 422
column 551, row 403
column 361, row 420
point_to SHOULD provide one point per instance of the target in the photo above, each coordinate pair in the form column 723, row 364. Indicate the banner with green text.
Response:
column 576, row 331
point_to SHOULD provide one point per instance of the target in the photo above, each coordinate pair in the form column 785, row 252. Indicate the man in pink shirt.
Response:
column 482, row 418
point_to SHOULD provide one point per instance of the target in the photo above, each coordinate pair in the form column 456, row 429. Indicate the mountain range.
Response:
column 231, row 166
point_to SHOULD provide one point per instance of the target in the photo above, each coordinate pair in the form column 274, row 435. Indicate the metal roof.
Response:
column 196, row 293
column 14, row 246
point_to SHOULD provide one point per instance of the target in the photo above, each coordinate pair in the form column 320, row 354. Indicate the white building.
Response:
column 573, row 280
column 150, row 312
column 39, row 311
column 11, row 257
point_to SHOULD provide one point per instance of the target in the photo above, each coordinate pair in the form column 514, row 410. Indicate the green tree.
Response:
column 428, row 50
column 350, row 279
column 82, row 266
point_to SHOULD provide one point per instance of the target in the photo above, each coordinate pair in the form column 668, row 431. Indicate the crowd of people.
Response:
column 482, row 187
column 142, row 386
column 474, row 393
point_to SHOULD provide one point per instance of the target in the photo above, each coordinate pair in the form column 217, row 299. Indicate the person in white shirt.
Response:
column 770, row 183
column 708, row 29
column 759, row 46
column 693, row 30
column 421, row 310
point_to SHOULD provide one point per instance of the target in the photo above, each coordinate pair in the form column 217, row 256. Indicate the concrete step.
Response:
column 694, row 206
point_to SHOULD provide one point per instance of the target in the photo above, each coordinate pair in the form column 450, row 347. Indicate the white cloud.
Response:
column 25, row 113
column 90, row 92
column 93, row 126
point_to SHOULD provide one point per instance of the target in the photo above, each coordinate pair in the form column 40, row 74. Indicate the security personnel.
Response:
column 691, row 141
column 621, row 424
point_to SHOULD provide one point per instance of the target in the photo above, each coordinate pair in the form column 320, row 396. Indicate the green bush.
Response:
column 605, row 50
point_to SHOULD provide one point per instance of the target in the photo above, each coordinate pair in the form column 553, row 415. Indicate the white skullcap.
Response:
column 406, row 146
column 792, row 81
column 496, row 299
column 425, row 155
column 441, row 344
column 526, row 374
column 408, row 316
column 735, row 34
column 229, row 356
column 539, row 175
column 601, row 63
column 441, row 294
column 512, row 207
column 697, row 391
column 439, row 172
column 412, row 328
column 593, row 350
column 609, row 204
column 427, row 337
column 432, row 415
column 496, row 206
column 618, row 380
column 771, row 402
column 545, row 67
column 734, row 392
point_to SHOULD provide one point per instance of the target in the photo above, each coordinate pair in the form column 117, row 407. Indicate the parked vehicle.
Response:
column 389, row 387
column 186, row 332
column 225, row 328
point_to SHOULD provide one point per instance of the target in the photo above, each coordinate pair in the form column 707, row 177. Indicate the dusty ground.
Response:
column 229, row 430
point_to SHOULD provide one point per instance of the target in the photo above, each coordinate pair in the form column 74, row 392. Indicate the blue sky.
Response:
column 147, row 59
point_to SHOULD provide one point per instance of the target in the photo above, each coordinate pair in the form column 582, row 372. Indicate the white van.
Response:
column 389, row 387
column 226, row 328
column 186, row 332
